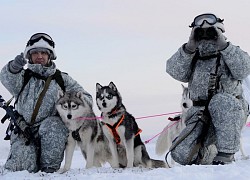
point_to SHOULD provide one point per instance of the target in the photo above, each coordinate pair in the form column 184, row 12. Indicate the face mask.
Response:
column 207, row 48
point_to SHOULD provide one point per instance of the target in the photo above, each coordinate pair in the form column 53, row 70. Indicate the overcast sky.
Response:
column 124, row 41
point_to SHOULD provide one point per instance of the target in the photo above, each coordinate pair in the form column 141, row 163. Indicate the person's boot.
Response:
column 48, row 170
column 223, row 158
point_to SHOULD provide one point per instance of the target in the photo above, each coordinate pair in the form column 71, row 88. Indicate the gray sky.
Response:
column 124, row 41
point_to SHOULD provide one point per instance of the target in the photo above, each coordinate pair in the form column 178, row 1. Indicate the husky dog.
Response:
column 242, row 150
column 121, row 128
column 173, row 129
column 87, row 133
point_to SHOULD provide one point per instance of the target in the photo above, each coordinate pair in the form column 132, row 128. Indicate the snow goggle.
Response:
column 36, row 37
column 208, row 18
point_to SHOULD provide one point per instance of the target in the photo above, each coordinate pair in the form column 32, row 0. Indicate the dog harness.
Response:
column 113, row 129
column 177, row 118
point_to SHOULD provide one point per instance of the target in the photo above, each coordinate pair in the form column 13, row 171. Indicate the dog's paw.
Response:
column 114, row 165
column 63, row 170
column 245, row 157
column 2, row 170
column 88, row 166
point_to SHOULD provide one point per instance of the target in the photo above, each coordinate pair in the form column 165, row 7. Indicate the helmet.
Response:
column 209, row 19
column 40, row 40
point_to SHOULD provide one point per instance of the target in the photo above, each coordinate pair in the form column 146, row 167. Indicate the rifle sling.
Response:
column 40, row 99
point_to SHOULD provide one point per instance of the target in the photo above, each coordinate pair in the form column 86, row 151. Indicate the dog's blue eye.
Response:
column 110, row 96
column 101, row 97
column 64, row 106
column 74, row 106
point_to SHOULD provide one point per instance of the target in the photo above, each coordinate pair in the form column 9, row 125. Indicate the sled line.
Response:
column 157, row 115
column 248, row 124
column 143, row 117
column 165, row 129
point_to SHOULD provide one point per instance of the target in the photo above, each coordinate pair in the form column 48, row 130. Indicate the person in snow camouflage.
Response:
column 214, row 70
column 47, row 128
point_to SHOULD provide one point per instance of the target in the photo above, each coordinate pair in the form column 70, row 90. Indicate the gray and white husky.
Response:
column 87, row 133
column 121, row 128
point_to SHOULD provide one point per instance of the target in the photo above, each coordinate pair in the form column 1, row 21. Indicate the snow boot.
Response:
column 223, row 158
column 48, row 170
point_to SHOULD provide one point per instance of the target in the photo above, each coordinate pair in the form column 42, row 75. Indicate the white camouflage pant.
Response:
column 228, row 115
column 53, row 137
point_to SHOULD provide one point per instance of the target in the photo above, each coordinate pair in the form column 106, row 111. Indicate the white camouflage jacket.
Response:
column 27, row 99
column 234, row 67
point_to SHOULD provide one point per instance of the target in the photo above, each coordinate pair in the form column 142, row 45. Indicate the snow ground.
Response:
column 238, row 170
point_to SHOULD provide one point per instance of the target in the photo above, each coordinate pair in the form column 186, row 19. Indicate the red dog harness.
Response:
column 113, row 129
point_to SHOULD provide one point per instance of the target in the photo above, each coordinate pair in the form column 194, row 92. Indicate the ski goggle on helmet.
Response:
column 40, row 40
column 208, row 18
column 36, row 37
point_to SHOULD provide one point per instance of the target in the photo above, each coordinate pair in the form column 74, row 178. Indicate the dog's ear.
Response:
column 79, row 94
column 112, row 86
column 60, row 94
column 98, row 87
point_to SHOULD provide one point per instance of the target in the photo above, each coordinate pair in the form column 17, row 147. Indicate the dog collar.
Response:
column 113, row 113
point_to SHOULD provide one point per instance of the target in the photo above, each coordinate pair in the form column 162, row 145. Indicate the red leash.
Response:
column 143, row 117
column 147, row 141
column 248, row 124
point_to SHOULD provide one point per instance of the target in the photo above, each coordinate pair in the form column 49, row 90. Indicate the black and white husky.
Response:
column 121, row 128
column 84, row 130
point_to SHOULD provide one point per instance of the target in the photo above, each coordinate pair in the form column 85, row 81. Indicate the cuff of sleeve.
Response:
column 226, row 45
column 186, row 50
column 227, row 49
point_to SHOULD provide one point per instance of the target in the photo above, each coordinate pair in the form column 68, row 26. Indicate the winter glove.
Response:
column 221, row 40
column 192, row 44
column 28, row 135
column 23, row 127
column 17, row 64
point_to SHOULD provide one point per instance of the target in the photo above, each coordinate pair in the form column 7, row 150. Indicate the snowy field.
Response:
column 237, row 170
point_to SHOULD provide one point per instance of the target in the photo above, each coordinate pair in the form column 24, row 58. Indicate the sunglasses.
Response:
column 208, row 18
column 36, row 37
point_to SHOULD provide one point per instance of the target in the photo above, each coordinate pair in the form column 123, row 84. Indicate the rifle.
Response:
column 17, row 122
